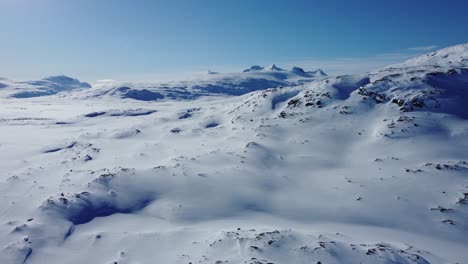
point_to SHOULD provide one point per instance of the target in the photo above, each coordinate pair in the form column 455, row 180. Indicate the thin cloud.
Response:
column 350, row 65
column 331, row 66
column 424, row 48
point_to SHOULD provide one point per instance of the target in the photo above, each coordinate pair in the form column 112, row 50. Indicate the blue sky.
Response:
column 127, row 40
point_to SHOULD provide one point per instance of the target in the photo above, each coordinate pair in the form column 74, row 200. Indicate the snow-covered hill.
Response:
column 451, row 57
column 48, row 86
column 213, row 84
column 365, row 168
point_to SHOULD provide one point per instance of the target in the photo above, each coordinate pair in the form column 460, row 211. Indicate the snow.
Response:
column 299, row 71
column 265, row 166
column 254, row 68
column 48, row 86
column 212, row 84
column 451, row 57
column 273, row 67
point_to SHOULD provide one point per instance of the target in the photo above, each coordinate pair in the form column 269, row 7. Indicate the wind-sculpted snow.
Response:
column 110, row 193
column 126, row 112
column 55, row 149
column 346, row 169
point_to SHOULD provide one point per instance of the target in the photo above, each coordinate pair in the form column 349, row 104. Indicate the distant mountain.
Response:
column 273, row 67
column 48, row 86
column 253, row 68
column 299, row 71
column 436, row 82
column 213, row 84
column 317, row 73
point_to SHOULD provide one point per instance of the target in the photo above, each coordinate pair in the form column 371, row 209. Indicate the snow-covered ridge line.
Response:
column 214, row 83
column 450, row 57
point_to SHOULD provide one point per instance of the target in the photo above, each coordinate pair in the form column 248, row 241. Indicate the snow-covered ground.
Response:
column 263, row 166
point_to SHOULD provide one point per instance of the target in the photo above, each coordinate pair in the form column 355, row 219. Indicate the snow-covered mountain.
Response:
column 451, row 57
column 213, row 84
column 296, row 167
column 407, row 89
column 48, row 86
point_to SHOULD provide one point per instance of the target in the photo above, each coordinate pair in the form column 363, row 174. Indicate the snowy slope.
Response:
column 432, row 83
column 345, row 169
column 451, row 57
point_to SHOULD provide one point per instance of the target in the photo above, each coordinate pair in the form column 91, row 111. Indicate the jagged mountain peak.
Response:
column 318, row 72
column 273, row 67
column 301, row 72
column 298, row 70
column 254, row 68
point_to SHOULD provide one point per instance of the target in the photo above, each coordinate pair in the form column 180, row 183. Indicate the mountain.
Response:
column 416, row 85
column 299, row 71
column 219, row 84
column 254, row 68
column 48, row 86
column 367, row 168
column 214, row 84
column 273, row 67
column 317, row 73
